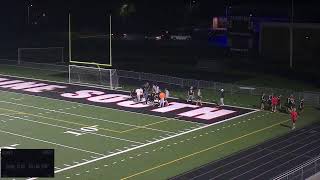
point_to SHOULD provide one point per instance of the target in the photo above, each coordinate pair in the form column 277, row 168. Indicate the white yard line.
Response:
column 144, row 145
column 53, row 125
column 82, row 116
column 48, row 142
column 148, row 144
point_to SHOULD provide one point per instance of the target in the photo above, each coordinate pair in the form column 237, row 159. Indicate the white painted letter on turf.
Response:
column 82, row 94
column 174, row 106
column 109, row 98
column 45, row 88
column 3, row 79
column 10, row 82
column 132, row 104
column 206, row 113
column 23, row 85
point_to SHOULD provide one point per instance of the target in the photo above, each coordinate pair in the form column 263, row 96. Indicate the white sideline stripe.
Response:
column 88, row 117
column 48, row 142
column 48, row 124
column 147, row 144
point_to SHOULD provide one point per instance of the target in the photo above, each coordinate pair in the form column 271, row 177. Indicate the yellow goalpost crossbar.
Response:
column 91, row 63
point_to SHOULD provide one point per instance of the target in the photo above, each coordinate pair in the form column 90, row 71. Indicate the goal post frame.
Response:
column 110, row 79
column 112, row 74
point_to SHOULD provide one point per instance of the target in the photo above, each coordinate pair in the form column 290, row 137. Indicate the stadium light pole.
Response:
column 70, row 59
column 110, row 40
column 291, row 35
column 29, row 13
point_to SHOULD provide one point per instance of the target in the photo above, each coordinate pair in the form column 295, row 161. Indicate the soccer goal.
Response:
column 93, row 76
column 48, row 55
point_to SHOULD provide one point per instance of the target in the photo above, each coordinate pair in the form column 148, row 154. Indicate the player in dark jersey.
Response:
column 301, row 105
column 190, row 95
column 151, row 98
column 146, row 89
column 292, row 102
column 263, row 101
column 279, row 102
column 269, row 101
column 133, row 94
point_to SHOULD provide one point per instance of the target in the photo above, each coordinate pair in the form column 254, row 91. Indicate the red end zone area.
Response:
column 178, row 109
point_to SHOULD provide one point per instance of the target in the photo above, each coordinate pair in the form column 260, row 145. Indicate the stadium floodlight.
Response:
column 93, row 76
column 48, row 55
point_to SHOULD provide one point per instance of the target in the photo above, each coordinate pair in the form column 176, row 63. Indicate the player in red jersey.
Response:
column 294, row 117
column 274, row 102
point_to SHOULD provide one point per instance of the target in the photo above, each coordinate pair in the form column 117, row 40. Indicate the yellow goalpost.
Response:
column 80, row 62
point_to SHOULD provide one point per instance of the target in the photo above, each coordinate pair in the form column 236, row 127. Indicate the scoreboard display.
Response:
column 18, row 163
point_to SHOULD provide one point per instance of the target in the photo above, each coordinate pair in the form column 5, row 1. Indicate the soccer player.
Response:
column 270, row 101
column 279, row 102
column 274, row 102
column 133, row 94
column 294, row 117
column 301, row 105
column 154, row 88
column 157, row 89
column 146, row 88
column 162, row 96
column 167, row 96
column 263, row 101
column 292, row 103
column 139, row 93
column 151, row 98
column 199, row 98
column 221, row 97
column 190, row 94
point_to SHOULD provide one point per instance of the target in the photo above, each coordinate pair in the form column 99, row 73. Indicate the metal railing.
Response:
column 312, row 98
column 301, row 172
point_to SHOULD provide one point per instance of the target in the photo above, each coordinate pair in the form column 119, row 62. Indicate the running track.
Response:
column 263, row 161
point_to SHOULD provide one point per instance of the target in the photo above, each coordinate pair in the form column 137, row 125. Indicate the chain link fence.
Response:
column 302, row 172
column 312, row 98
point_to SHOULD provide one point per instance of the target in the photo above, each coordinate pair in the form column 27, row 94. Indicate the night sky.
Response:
column 149, row 13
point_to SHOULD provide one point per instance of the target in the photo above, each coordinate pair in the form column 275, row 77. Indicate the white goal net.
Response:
column 93, row 76
column 49, row 55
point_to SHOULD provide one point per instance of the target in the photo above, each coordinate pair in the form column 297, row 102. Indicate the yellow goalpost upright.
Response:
column 91, row 72
column 92, row 63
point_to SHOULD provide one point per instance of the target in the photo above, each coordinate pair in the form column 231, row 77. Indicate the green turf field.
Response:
column 123, row 145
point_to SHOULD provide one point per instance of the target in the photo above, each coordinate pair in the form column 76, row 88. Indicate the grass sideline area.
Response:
column 37, row 122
